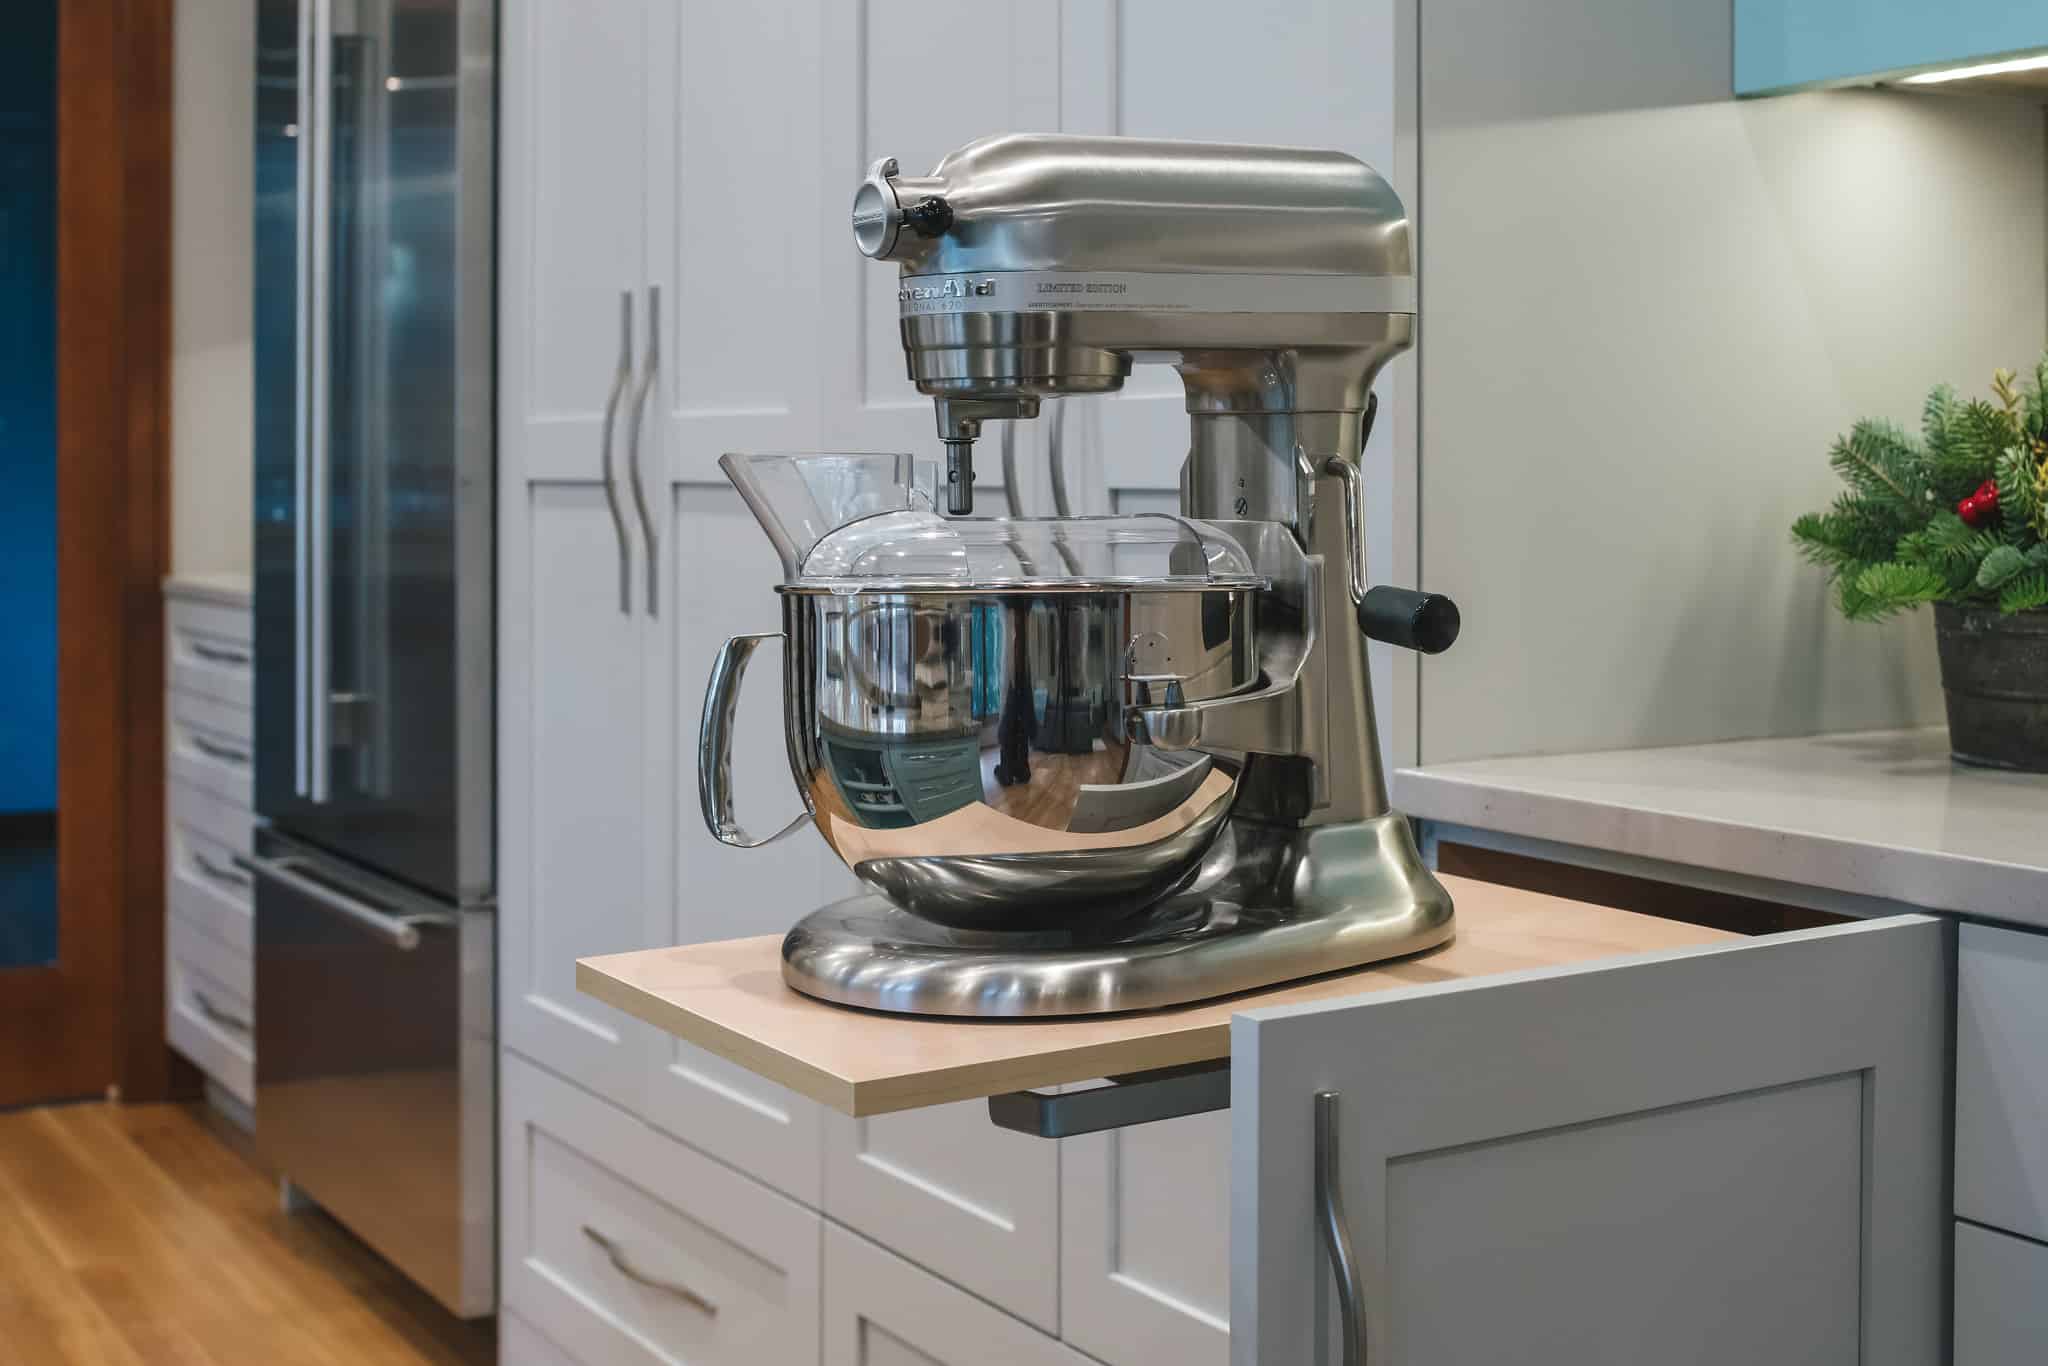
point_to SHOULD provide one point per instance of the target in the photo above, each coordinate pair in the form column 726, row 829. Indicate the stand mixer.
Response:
column 1099, row 764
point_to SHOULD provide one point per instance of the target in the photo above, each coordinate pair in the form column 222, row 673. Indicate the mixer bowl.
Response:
column 968, row 753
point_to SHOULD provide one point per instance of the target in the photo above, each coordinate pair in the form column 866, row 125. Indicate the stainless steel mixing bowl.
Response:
column 969, row 753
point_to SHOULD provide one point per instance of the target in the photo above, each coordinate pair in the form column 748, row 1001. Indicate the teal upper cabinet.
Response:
column 1787, row 44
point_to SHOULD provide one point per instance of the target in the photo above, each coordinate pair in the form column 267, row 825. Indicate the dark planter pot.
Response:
column 1994, row 672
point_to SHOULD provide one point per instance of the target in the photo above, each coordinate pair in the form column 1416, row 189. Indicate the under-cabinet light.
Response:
column 2037, row 62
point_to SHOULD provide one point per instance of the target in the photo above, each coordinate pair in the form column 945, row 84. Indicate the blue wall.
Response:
column 1781, row 44
column 28, row 404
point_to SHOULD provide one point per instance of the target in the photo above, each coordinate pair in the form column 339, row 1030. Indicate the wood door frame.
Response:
column 93, row 1020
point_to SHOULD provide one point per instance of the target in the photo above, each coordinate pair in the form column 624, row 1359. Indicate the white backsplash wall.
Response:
column 1646, row 312
column 212, row 264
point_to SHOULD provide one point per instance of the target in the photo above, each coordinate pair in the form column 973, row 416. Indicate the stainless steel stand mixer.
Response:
column 1100, row 764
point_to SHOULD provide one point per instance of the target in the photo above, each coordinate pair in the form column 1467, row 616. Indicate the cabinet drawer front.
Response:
column 2002, row 1079
column 882, row 1311
column 623, row 1245
column 217, row 818
column 211, row 749
column 211, row 652
column 718, row 1107
column 208, row 1010
column 1145, row 1242
column 947, row 1189
column 207, row 889
column 522, row 1344
column 2001, row 1299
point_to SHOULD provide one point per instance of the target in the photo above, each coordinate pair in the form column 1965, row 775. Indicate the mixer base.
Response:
column 1346, row 896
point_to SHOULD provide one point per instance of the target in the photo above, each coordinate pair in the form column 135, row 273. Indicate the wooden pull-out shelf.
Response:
column 728, row 997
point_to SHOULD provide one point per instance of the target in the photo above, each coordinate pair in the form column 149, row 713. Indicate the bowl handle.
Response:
column 714, row 743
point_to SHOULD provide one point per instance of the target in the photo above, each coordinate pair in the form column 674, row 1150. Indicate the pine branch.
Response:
column 1972, row 441
column 1879, row 461
column 2000, row 567
column 2027, row 593
column 1893, row 587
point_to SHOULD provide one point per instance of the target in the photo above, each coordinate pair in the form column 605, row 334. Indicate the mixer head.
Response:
column 1035, row 265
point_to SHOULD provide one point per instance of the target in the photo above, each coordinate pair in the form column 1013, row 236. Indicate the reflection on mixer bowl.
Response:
column 967, row 752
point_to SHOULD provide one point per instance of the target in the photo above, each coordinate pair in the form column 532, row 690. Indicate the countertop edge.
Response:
column 229, row 590
column 1952, row 883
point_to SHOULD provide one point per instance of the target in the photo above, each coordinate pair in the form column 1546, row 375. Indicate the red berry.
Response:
column 1971, row 510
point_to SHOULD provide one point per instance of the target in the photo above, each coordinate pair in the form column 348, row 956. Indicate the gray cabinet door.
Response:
column 1711, row 1155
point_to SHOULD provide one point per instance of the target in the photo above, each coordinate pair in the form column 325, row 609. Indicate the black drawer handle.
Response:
column 219, row 874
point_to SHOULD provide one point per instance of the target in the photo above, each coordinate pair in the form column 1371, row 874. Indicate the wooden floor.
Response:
column 134, row 1234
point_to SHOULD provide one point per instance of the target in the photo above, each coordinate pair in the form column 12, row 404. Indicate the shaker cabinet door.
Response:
column 572, row 815
column 1715, row 1155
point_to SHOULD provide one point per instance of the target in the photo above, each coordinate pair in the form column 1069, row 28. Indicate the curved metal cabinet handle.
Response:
column 226, row 1019
column 620, row 380
column 226, row 876
column 714, row 743
column 1336, row 1232
column 653, row 537
column 399, row 929
column 213, row 749
column 616, row 1255
column 215, row 654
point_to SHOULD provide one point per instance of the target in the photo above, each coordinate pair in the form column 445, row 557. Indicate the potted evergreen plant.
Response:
column 1957, row 518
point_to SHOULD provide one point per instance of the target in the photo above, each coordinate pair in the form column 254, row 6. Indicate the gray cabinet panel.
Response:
column 2001, row 1299
column 2002, row 1080
column 1714, row 1155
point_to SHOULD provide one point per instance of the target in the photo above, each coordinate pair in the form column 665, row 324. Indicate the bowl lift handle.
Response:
column 714, row 744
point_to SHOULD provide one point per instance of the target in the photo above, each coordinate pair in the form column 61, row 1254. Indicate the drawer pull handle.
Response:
column 226, row 1019
column 215, row 654
column 219, row 874
column 227, row 754
column 617, row 1256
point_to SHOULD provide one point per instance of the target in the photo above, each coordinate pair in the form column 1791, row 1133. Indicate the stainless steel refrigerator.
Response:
column 375, row 1024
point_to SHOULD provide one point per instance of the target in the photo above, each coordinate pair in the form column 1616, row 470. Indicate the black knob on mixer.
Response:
column 1416, row 621
column 929, row 217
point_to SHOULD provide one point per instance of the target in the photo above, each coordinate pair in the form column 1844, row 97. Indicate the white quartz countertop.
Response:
column 232, row 589
column 1874, row 813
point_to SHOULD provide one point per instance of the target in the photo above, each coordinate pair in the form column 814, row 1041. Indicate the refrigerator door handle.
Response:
column 620, row 381
column 315, row 615
column 399, row 929
column 653, row 537
column 301, row 134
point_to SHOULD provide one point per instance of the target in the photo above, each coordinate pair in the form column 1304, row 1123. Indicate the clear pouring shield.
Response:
column 800, row 499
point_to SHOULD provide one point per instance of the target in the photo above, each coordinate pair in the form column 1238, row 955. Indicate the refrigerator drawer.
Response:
column 376, row 1059
column 211, row 748
column 207, row 1011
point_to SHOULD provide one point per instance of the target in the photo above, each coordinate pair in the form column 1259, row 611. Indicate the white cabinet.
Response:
column 707, row 157
column 946, row 1188
column 2002, row 1079
column 1145, row 1242
column 1728, row 1154
column 209, row 928
column 882, row 1311
column 624, row 1246
column 573, row 818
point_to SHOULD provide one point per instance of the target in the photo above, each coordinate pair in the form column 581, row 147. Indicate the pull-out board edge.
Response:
column 728, row 997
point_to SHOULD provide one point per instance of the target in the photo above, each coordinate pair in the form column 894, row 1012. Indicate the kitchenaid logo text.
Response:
column 949, row 289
